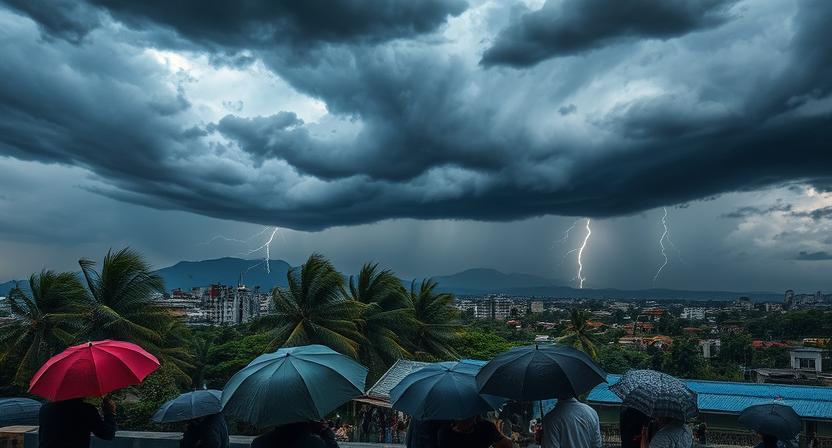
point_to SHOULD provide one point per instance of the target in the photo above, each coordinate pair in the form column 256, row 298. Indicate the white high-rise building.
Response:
column 693, row 313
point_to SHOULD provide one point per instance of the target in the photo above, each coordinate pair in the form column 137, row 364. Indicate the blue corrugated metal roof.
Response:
column 812, row 402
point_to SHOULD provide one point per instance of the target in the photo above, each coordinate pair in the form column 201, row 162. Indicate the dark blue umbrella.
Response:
column 539, row 372
column 774, row 419
column 443, row 391
column 293, row 384
column 656, row 394
column 189, row 406
column 19, row 411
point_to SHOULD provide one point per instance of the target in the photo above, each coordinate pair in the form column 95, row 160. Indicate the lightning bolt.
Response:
column 233, row 240
column 566, row 233
column 665, row 235
column 223, row 238
column 580, row 276
column 267, row 247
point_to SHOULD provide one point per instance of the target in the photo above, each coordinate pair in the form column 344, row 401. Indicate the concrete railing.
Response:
column 27, row 437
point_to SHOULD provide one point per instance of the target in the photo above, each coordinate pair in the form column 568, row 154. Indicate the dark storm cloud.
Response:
column 816, row 214
column 301, row 23
column 748, row 211
column 813, row 256
column 563, row 28
column 65, row 19
column 421, row 132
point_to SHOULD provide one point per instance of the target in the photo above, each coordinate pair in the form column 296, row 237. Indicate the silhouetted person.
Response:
column 68, row 423
column 297, row 435
column 671, row 434
column 205, row 432
column 571, row 424
column 423, row 433
column 769, row 441
column 472, row 433
column 702, row 433
column 631, row 422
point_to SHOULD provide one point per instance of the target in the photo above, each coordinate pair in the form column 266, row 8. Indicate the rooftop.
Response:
column 810, row 402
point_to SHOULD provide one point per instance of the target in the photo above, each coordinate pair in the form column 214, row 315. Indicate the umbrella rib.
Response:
column 95, row 369
column 306, row 389
column 339, row 357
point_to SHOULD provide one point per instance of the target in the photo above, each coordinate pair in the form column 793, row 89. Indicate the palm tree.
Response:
column 201, row 348
column 122, row 300
column 314, row 310
column 385, row 315
column 174, row 351
column 122, row 304
column 579, row 334
column 42, row 323
column 435, row 321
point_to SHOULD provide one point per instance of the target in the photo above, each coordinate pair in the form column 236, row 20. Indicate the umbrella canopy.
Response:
column 198, row 403
column 18, row 411
column 92, row 369
column 656, row 394
column 443, row 391
column 539, row 372
column 775, row 419
column 293, row 384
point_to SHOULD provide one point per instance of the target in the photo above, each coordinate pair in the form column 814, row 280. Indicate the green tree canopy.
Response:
column 43, row 323
column 314, row 309
column 579, row 334
column 385, row 315
column 435, row 321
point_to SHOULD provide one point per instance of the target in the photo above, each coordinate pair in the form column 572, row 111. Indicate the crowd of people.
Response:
column 381, row 425
column 571, row 423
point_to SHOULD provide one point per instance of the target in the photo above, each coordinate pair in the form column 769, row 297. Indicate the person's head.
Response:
column 769, row 441
column 195, row 421
column 465, row 424
column 664, row 421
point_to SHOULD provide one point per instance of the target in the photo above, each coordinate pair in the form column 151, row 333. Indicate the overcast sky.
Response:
column 431, row 136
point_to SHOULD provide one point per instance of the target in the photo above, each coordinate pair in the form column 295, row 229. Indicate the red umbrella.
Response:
column 92, row 369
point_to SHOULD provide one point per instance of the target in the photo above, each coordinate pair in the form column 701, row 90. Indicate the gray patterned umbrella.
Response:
column 656, row 394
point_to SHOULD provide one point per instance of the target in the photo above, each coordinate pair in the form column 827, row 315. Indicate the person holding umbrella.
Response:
column 293, row 390
column 298, row 435
column 447, row 391
column 472, row 432
column 776, row 423
column 68, row 423
column 93, row 369
column 571, row 424
column 541, row 372
column 663, row 398
column 206, row 427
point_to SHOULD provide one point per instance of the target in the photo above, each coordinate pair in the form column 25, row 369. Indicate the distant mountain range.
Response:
column 228, row 270
column 187, row 274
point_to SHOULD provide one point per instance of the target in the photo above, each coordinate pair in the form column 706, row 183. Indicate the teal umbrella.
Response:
column 189, row 406
column 18, row 411
column 293, row 384
column 443, row 391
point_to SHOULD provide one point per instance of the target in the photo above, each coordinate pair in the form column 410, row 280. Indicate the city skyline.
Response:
column 431, row 138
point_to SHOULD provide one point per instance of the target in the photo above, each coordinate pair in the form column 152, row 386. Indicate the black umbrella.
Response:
column 19, row 411
column 774, row 419
column 656, row 394
column 189, row 406
column 540, row 372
